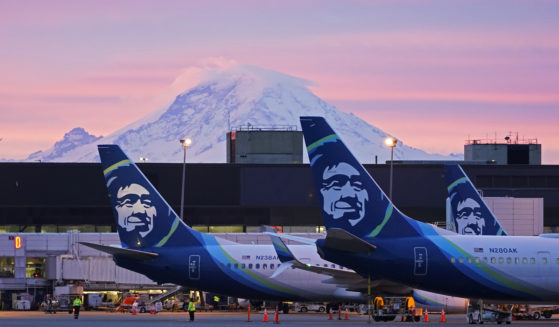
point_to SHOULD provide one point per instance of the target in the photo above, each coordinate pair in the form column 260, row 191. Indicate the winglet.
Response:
column 283, row 252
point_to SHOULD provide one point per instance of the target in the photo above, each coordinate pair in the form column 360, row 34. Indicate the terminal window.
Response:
column 35, row 267
column 7, row 266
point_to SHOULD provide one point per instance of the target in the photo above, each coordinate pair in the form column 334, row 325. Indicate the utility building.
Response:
column 513, row 151
column 276, row 144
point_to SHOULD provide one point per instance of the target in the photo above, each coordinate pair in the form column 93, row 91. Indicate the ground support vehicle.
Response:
column 388, row 308
column 478, row 314
column 306, row 307
column 535, row 312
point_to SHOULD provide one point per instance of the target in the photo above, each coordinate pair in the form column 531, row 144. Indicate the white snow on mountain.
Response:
column 75, row 138
column 225, row 99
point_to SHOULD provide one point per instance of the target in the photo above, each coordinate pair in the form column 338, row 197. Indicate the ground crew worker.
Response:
column 191, row 309
column 77, row 303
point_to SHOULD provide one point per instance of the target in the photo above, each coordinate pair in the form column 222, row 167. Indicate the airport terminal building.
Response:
column 235, row 197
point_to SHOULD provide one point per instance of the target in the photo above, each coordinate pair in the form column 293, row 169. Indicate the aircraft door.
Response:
column 420, row 261
column 194, row 266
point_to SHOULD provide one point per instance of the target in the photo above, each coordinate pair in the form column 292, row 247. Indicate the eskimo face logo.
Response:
column 135, row 209
column 469, row 219
column 343, row 193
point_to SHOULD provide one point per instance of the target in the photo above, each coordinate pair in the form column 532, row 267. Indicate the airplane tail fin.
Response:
column 350, row 198
column 470, row 214
column 144, row 219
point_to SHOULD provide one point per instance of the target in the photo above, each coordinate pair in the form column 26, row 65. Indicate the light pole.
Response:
column 143, row 159
column 185, row 144
column 390, row 142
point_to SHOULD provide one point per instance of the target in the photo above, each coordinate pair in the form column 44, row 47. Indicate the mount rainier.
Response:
column 238, row 96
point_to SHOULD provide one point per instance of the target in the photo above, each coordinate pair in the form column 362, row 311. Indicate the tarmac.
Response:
column 210, row 319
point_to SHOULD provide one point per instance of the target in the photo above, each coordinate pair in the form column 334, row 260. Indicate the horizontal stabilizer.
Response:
column 342, row 240
column 122, row 252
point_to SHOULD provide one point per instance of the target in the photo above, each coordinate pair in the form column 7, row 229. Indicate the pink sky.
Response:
column 432, row 73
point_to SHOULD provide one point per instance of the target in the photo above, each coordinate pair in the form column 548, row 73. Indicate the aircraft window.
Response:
column 343, row 267
column 453, row 260
column 257, row 266
column 326, row 265
column 524, row 260
column 469, row 260
column 265, row 266
column 517, row 260
column 243, row 266
column 485, row 259
column 461, row 260
column 333, row 266
column 544, row 261
column 509, row 260
column 221, row 264
column 532, row 260
column 501, row 260
column 271, row 266
column 250, row 266
column 493, row 260
column 476, row 260
column 228, row 265
column 318, row 264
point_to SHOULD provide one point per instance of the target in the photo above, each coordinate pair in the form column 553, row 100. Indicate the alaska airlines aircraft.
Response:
column 470, row 215
column 352, row 281
column 478, row 221
column 157, row 244
column 367, row 233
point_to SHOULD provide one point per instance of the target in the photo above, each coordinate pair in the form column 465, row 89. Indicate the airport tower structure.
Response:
column 511, row 151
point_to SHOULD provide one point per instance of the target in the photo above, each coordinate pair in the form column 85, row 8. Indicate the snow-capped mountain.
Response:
column 73, row 139
column 238, row 96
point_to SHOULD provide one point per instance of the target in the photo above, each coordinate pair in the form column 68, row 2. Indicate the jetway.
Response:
column 33, row 260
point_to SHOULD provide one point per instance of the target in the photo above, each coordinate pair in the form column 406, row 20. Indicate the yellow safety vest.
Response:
column 191, row 306
column 77, row 302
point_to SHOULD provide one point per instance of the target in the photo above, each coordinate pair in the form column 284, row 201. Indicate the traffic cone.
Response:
column 346, row 314
column 276, row 316
column 403, row 318
column 339, row 312
column 426, row 316
column 249, row 312
column 265, row 315
column 134, row 311
column 443, row 318
column 330, row 315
